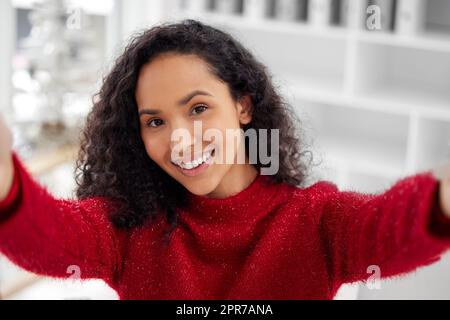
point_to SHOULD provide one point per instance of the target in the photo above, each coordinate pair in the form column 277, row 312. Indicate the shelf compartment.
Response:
column 367, row 183
column 306, row 61
column 433, row 144
column 365, row 141
column 417, row 79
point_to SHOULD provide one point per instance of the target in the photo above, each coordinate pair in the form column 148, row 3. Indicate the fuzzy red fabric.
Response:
column 270, row 241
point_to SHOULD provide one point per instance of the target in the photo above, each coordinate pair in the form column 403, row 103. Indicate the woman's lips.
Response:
column 199, row 169
column 195, row 171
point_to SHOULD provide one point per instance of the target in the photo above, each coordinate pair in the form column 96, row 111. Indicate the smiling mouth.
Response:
column 205, row 158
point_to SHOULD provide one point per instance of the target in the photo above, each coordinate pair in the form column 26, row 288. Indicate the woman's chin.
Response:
column 199, row 189
column 201, row 184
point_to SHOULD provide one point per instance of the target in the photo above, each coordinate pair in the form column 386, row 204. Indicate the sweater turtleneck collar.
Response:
column 242, row 205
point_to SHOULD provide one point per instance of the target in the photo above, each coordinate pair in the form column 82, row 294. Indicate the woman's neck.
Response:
column 239, row 177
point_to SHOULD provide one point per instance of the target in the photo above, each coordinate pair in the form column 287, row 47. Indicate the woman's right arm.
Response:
column 50, row 236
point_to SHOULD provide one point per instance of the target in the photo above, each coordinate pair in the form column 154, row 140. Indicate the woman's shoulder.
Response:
column 98, row 203
column 315, row 189
column 307, row 199
column 303, row 203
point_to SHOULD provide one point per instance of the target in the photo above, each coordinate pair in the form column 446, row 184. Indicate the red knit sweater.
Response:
column 266, row 242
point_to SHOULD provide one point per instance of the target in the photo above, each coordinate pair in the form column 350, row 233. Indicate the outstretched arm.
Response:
column 394, row 232
column 50, row 236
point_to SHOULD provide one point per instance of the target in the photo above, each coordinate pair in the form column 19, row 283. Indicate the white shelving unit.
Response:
column 379, row 102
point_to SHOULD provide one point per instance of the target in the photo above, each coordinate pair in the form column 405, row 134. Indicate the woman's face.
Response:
column 172, row 92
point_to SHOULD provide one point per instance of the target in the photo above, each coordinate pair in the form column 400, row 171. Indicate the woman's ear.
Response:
column 246, row 109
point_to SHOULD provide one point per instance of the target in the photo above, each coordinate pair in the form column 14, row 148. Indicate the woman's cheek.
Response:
column 153, row 148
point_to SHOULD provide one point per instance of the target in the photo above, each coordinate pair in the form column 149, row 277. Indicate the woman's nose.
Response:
column 183, row 135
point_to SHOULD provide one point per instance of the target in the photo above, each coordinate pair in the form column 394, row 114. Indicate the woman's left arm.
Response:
column 397, row 231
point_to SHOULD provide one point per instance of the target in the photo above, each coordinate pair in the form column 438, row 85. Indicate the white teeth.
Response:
column 195, row 163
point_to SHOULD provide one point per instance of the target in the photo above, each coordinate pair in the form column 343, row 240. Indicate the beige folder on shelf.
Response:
column 319, row 13
column 410, row 17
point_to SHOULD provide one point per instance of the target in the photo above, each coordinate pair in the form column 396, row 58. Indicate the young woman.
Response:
column 159, row 224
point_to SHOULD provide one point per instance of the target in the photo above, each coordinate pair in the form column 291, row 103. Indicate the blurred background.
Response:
column 370, row 80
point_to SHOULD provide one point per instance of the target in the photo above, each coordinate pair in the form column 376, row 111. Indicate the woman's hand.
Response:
column 6, row 163
column 443, row 174
column 445, row 195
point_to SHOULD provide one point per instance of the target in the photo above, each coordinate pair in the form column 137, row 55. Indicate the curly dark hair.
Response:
column 112, row 160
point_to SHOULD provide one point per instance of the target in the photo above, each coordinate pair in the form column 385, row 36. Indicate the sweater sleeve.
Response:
column 393, row 232
column 57, row 237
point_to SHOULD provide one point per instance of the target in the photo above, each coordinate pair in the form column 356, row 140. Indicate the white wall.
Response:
column 7, row 39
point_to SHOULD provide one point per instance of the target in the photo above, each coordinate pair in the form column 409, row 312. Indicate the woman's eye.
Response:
column 154, row 123
column 199, row 109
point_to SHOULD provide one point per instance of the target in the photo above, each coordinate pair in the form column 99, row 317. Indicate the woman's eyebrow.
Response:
column 191, row 95
column 181, row 102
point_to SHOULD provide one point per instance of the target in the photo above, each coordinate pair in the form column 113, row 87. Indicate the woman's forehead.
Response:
column 174, row 77
column 180, row 67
